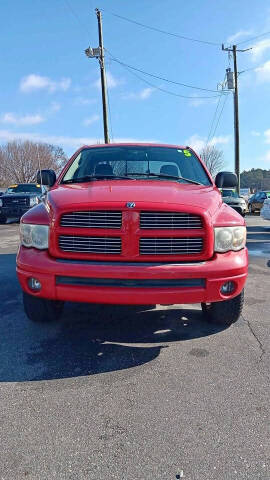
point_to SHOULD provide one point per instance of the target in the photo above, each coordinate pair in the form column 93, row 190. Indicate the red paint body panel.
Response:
column 149, row 195
column 222, row 268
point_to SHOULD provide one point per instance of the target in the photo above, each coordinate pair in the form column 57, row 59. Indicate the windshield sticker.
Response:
column 187, row 153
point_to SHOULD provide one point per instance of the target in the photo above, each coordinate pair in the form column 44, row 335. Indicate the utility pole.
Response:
column 99, row 53
column 236, row 111
column 236, row 120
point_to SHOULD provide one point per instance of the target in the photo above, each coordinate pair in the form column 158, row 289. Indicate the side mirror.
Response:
column 226, row 180
column 46, row 177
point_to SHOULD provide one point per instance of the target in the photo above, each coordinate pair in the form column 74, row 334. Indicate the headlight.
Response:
column 1, row 202
column 229, row 238
column 33, row 201
column 36, row 236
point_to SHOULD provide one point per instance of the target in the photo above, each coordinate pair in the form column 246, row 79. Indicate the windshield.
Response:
column 137, row 162
column 229, row 193
column 24, row 188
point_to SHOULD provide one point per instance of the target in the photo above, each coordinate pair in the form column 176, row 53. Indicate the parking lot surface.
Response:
column 136, row 393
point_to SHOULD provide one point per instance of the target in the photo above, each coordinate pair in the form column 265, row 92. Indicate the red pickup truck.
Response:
column 133, row 224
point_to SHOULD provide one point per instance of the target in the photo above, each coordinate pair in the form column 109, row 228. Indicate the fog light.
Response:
column 34, row 284
column 227, row 288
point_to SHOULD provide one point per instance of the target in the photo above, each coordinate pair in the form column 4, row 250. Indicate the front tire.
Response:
column 224, row 313
column 40, row 309
column 3, row 219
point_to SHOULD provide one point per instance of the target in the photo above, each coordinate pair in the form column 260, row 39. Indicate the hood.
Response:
column 143, row 192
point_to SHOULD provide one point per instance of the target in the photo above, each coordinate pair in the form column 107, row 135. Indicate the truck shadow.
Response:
column 88, row 339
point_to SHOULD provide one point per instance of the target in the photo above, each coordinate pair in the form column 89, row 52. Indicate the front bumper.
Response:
column 132, row 283
column 13, row 211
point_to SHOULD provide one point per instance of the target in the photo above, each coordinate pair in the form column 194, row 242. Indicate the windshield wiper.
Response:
column 163, row 175
column 88, row 178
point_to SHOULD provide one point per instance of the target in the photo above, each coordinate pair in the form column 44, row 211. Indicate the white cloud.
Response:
column 259, row 49
column 267, row 136
column 197, row 142
column 55, row 107
column 266, row 157
column 81, row 101
column 35, row 82
column 263, row 73
column 20, row 120
column 197, row 102
column 112, row 82
column 254, row 133
column 90, row 120
column 146, row 92
column 141, row 95
column 221, row 140
column 65, row 142
column 237, row 35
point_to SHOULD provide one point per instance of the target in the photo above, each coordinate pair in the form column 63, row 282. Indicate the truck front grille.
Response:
column 92, row 219
column 169, row 221
column 171, row 246
column 92, row 245
column 132, row 235
column 15, row 202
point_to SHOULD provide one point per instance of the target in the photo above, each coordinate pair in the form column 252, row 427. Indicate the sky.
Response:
column 50, row 91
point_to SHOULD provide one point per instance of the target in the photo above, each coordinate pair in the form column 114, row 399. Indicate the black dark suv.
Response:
column 17, row 199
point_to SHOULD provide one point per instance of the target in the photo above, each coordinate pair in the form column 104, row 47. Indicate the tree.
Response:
column 256, row 179
column 213, row 159
column 20, row 161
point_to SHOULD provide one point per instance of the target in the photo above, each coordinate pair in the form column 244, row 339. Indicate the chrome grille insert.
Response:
column 169, row 221
column 171, row 246
column 92, row 219
column 82, row 244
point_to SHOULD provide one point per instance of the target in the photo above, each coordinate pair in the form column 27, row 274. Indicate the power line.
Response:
column 109, row 108
column 218, row 120
column 214, row 117
column 253, row 68
column 254, row 38
column 76, row 16
column 141, row 71
column 159, row 30
column 157, row 76
column 168, row 91
column 213, row 120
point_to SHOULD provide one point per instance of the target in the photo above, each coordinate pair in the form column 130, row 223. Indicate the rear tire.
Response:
column 40, row 309
column 224, row 313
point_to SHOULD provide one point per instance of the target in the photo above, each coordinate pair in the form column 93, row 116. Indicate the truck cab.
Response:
column 133, row 224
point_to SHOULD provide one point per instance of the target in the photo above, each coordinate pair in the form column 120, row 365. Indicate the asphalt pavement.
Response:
column 136, row 393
